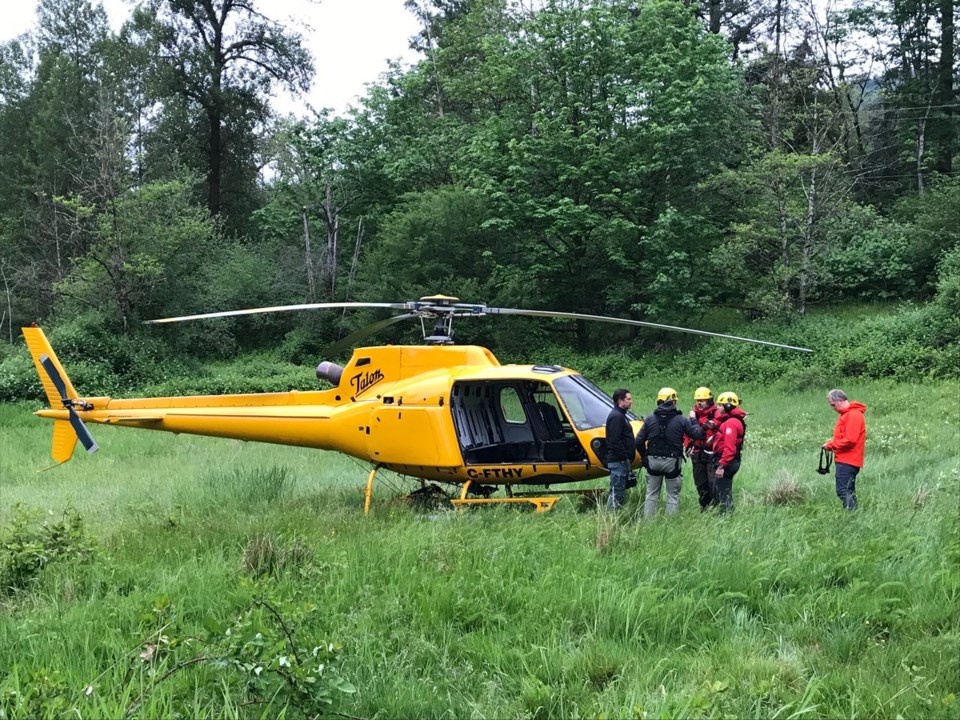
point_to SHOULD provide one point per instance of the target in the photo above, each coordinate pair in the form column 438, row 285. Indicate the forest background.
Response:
column 705, row 164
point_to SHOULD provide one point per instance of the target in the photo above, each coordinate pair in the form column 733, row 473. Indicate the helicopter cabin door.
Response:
column 515, row 421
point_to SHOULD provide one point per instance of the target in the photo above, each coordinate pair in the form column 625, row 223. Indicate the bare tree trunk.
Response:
column 9, row 311
column 808, row 241
column 424, row 16
column 120, row 292
column 921, row 142
column 56, row 237
column 716, row 8
column 778, row 38
column 354, row 262
column 331, row 215
column 333, row 256
column 948, row 130
column 436, row 70
column 782, row 212
column 308, row 257
column 214, row 162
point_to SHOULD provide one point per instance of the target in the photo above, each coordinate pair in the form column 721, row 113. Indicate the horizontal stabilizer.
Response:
column 131, row 420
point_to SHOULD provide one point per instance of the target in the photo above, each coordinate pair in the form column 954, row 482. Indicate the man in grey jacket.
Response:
column 660, row 444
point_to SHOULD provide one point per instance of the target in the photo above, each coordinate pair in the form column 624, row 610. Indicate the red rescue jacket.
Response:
column 729, row 439
column 849, row 435
column 698, row 446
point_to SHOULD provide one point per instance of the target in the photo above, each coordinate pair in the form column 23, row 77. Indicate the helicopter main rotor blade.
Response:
column 353, row 338
column 277, row 308
column 639, row 323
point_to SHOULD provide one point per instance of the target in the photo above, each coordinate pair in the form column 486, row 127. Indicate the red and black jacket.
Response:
column 706, row 419
column 729, row 438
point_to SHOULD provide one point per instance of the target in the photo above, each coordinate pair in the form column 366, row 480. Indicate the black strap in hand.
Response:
column 826, row 461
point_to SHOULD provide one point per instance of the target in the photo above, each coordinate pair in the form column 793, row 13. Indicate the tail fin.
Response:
column 64, row 441
column 65, row 432
column 39, row 345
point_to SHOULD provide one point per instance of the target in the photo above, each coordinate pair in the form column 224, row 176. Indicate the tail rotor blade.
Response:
column 54, row 376
column 83, row 434
column 75, row 422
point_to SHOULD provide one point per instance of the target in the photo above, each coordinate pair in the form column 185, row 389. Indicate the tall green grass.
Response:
column 778, row 611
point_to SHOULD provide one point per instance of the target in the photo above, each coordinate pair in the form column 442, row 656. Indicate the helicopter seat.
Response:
column 475, row 426
column 551, row 420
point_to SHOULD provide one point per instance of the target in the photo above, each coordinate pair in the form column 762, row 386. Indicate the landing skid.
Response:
column 541, row 502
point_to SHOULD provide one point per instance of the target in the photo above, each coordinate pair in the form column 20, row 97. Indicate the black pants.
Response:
column 724, row 485
column 847, row 485
column 703, row 479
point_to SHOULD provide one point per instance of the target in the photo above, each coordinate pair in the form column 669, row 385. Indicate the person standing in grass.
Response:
column 727, row 446
column 849, row 438
column 700, row 452
column 620, row 447
column 660, row 442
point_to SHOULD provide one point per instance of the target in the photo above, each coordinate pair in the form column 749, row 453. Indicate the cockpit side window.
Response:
column 587, row 405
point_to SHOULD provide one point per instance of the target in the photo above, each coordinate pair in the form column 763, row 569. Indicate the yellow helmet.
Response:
column 702, row 393
column 666, row 395
column 729, row 398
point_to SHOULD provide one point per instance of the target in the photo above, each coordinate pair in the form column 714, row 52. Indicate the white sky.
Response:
column 351, row 40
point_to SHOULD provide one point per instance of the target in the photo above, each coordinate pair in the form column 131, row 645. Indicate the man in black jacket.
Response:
column 660, row 443
column 620, row 447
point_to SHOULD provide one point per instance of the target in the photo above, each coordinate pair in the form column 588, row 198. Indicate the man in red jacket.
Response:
column 849, row 437
column 727, row 445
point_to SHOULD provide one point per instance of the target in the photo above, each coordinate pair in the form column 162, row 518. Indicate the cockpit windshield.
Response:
column 586, row 404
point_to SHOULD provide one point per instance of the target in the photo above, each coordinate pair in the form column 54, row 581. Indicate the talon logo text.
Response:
column 364, row 381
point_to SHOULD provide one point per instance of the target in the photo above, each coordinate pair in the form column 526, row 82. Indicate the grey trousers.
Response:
column 658, row 468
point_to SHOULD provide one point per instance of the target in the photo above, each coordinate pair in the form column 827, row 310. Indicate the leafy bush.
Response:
column 869, row 256
column 930, row 221
column 98, row 361
column 28, row 546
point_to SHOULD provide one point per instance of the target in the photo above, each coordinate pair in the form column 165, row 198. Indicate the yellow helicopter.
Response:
column 439, row 412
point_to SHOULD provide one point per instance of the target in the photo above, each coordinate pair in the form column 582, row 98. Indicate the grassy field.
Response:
column 197, row 577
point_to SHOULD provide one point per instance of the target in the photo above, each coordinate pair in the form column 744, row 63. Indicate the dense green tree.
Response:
column 616, row 115
column 145, row 256
column 56, row 89
column 217, row 63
